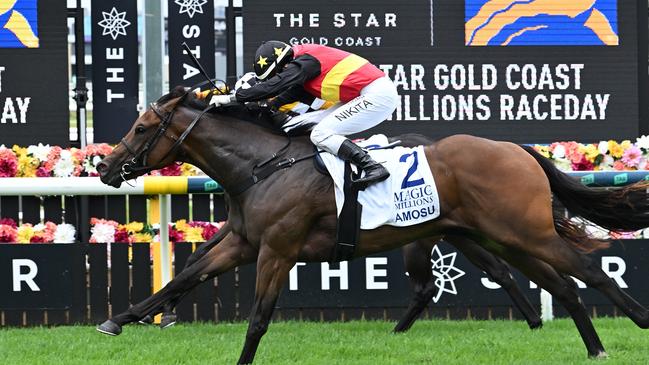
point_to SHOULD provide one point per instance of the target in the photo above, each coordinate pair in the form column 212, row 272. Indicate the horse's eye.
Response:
column 140, row 129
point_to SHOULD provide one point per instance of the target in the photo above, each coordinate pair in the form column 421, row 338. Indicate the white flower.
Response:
column 39, row 227
column 103, row 233
column 65, row 233
column 642, row 142
column 66, row 155
column 96, row 160
column 602, row 147
column 559, row 151
column 607, row 163
column 40, row 152
column 64, row 167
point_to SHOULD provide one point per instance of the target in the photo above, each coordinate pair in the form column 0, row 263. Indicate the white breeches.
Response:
column 375, row 104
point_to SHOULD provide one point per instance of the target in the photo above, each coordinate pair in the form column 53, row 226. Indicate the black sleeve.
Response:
column 297, row 72
column 291, row 95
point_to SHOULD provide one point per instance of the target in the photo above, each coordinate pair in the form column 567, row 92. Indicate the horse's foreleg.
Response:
column 168, row 315
column 416, row 257
column 499, row 272
column 272, row 272
column 232, row 252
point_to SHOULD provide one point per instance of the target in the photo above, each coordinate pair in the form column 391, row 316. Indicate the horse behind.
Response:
column 495, row 194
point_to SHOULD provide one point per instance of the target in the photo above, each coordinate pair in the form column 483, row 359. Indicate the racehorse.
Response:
column 496, row 194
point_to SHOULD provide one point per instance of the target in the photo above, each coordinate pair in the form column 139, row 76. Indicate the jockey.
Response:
column 364, row 96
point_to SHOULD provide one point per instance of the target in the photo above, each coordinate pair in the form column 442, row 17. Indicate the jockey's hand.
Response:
column 218, row 100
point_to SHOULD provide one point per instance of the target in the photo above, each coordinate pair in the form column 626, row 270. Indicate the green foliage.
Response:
column 358, row 342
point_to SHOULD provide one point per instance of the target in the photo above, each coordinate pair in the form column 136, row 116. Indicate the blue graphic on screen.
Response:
column 541, row 23
column 19, row 24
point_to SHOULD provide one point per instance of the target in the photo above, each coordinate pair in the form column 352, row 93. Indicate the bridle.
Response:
column 136, row 162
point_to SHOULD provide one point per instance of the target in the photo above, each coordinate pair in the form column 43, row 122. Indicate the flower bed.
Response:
column 47, row 232
column 53, row 161
column 602, row 156
column 108, row 231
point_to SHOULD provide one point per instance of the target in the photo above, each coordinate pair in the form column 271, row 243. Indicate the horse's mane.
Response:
column 248, row 112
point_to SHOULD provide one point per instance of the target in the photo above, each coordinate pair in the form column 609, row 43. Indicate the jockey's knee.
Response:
column 327, row 139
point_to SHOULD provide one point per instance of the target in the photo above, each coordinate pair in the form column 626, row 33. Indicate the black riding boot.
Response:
column 374, row 171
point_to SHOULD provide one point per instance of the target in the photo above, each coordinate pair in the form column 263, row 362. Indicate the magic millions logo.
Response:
column 19, row 24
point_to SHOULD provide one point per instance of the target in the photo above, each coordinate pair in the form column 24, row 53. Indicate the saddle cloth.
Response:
column 408, row 197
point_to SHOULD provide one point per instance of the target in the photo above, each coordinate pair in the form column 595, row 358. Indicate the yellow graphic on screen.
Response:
column 18, row 24
column 541, row 22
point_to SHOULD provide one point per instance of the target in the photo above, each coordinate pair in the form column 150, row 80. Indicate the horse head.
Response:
column 154, row 141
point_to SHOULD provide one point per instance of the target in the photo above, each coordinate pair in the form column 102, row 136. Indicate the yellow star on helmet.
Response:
column 278, row 51
column 262, row 61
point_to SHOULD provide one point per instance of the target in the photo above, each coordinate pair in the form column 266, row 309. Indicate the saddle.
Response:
column 348, row 225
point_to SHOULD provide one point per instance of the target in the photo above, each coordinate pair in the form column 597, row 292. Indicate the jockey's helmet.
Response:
column 271, row 57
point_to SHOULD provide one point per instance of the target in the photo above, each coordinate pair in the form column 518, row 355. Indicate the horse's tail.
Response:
column 616, row 209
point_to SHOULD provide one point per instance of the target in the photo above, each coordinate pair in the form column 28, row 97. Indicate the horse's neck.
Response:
column 227, row 149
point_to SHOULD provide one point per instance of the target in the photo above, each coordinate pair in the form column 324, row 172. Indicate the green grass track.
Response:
column 358, row 342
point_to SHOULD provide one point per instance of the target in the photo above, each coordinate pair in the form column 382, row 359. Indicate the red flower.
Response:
column 209, row 230
column 8, row 234
column 175, row 236
column 43, row 172
column 37, row 239
column 171, row 170
column 8, row 163
column 8, row 222
column 121, row 235
column 583, row 165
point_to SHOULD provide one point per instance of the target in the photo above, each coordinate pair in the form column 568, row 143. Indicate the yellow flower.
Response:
column 590, row 151
column 194, row 234
column 615, row 150
column 182, row 225
column 543, row 150
column 19, row 151
column 25, row 233
column 27, row 166
column 188, row 170
column 134, row 227
column 625, row 144
column 143, row 237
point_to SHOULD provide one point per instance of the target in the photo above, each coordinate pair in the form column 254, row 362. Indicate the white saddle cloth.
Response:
column 408, row 197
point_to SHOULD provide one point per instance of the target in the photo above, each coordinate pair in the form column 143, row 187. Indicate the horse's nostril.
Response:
column 102, row 167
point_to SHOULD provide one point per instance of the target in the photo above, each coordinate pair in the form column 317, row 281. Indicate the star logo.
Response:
column 445, row 272
column 190, row 7
column 262, row 61
column 114, row 23
column 278, row 51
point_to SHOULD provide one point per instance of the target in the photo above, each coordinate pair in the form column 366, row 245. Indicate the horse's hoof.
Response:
column 146, row 320
column 110, row 328
column 602, row 355
column 536, row 325
column 168, row 320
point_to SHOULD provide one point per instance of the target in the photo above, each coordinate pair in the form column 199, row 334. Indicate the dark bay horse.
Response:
column 496, row 194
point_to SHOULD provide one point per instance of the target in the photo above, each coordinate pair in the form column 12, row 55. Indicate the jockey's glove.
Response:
column 218, row 100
